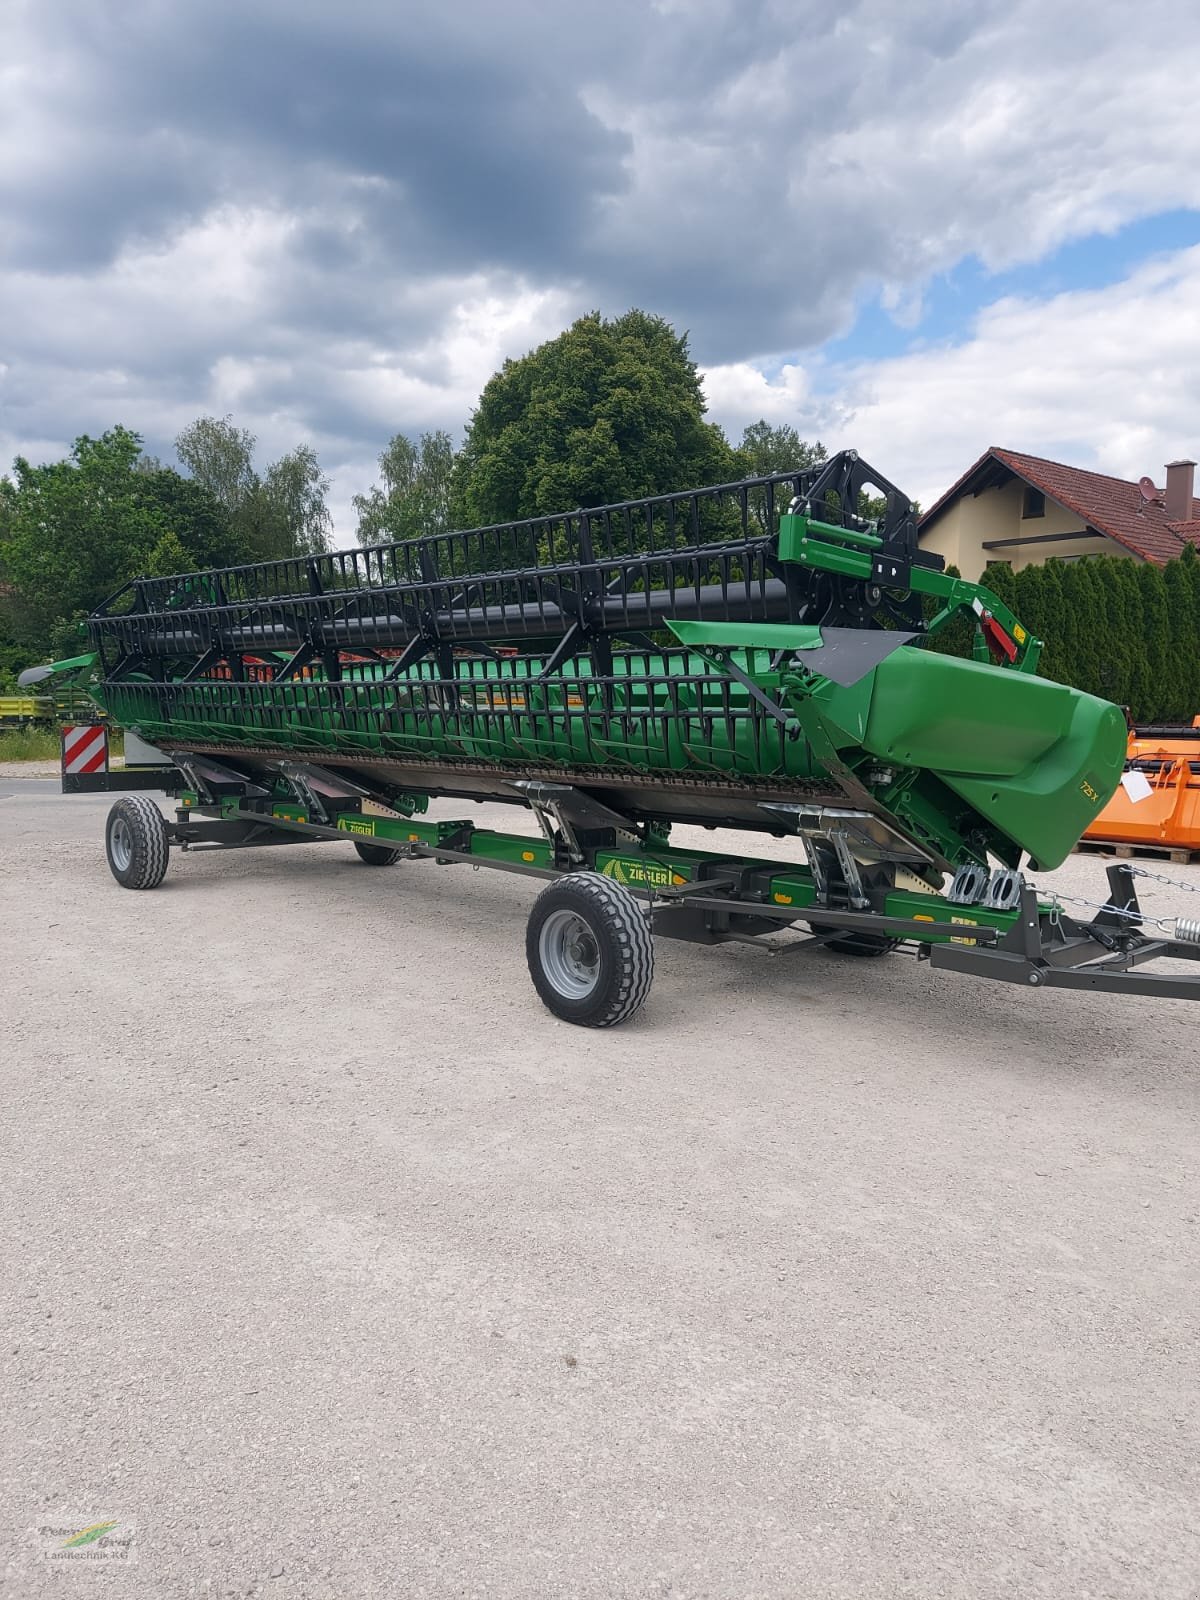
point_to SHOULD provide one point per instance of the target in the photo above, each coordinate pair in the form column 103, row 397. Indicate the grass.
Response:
column 29, row 744
column 41, row 744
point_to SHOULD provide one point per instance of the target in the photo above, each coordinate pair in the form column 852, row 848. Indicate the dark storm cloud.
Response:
column 742, row 167
column 339, row 217
column 459, row 154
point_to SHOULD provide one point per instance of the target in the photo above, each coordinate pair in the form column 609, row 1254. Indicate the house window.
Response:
column 1035, row 504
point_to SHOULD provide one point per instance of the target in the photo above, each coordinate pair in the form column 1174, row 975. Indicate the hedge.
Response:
column 1124, row 630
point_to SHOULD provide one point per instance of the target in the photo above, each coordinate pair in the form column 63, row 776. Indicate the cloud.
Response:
column 336, row 221
column 135, row 117
column 1107, row 379
column 739, row 393
column 875, row 146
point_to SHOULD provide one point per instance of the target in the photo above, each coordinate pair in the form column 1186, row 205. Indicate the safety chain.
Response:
column 1057, row 899
column 1175, row 883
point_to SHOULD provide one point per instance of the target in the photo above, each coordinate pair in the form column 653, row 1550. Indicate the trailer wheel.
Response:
column 589, row 950
column 135, row 841
column 377, row 855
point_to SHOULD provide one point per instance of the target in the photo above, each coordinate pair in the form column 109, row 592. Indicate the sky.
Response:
column 914, row 230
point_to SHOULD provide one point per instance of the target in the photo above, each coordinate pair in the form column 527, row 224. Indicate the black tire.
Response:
column 377, row 855
column 135, row 842
column 590, row 953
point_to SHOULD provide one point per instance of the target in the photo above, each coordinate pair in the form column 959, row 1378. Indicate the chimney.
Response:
column 1177, row 499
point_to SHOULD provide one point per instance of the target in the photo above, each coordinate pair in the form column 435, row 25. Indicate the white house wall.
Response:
column 960, row 532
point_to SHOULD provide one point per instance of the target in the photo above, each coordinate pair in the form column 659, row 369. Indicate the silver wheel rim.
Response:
column 120, row 842
column 569, row 955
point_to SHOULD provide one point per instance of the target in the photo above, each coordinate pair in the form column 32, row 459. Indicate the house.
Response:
column 1025, row 509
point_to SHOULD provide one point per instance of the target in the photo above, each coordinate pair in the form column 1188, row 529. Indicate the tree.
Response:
column 1093, row 613
column 1113, row 647
column 416, row 494
column 73, row 531
column 293, row 517
column 12, row 654
column 204, row 530
column 1189, row 628
column 1157, row 701
column 1030, row 609
column 280, row 514
column 1000, row 578
column 12, row 657
column 1183, row 609
column 1128, row 603
column 1112, row 627
column 957, row 636
column 608, row 411
column 765, row 449
column 168, row 557
column 1074, row 629
column 221, row 457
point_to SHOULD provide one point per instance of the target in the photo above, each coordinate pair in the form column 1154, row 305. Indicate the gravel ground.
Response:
column 28, row 769
column 342, row 1270
column 38, row 769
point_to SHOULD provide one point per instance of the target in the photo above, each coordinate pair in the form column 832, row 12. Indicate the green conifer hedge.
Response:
column 1126, row 631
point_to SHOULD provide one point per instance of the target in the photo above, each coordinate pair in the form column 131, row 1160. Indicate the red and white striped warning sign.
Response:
column 85, row 749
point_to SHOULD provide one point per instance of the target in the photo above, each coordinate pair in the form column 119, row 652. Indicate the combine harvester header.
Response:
column 754, row 656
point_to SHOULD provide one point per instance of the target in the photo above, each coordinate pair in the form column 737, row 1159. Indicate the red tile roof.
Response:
column 1112, row 506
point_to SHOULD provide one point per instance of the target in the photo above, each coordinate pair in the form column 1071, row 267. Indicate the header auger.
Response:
column 756, row 655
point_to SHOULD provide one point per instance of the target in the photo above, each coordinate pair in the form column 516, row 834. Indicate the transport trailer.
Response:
column 67, row 701
column 754, row 656
column 19, row 711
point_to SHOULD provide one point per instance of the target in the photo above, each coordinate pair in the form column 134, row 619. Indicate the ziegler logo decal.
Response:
column 654, row 877
column 360, row 827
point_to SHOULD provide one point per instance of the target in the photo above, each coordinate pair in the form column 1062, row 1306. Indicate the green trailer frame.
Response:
column 613, row 885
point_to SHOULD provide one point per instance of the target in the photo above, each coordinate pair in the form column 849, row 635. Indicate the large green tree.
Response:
column 767, row 448
column 415, row 495
column 282, row 512
column 73, row 531
column 294, row 517
column 610, row 410
column 221, row 457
